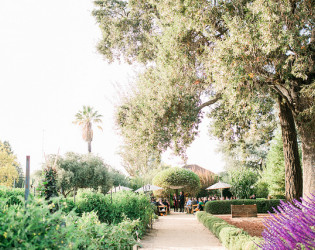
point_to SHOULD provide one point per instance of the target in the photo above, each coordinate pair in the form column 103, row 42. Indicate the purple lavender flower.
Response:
column 292, row 226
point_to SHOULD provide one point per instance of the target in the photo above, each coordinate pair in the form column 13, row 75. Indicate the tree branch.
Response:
column 284, row 96
column 210, row 102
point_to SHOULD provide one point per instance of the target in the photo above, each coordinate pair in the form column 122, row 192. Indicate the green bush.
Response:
column 35, row 227
column 12, row 196
column 176, row 177
column 133, row 206
column 230, row 236
column 224, row 207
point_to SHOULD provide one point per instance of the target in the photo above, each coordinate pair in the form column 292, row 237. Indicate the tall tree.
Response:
column 274, row 173
column 8, row 172
column 85, row 119
column 10, row 160
column 75, row 171
column 222, row 47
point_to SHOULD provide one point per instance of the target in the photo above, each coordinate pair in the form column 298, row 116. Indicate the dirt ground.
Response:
column 180, row 231
column 253, row 225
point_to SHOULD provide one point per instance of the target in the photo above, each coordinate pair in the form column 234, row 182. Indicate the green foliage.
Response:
column 133, row 206
column 248, row 52
column 245, row 133
column 231, row 237
column 147, row 177
column 242, row 181
column 82, row 171
column 37, row 228
column 85, row 119
column 50, row 182
column 12, row 196
column 118, row 178
column 261, row 189
column 8, row 166
column 224, row 207
column 274, row 173
column 179, row 178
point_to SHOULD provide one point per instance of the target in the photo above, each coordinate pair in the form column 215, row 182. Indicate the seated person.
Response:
column 194, row 201
column 167, row 204
column 188, row 206
column 200, row 207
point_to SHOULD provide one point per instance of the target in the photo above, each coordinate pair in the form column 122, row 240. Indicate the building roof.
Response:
column 197, row 169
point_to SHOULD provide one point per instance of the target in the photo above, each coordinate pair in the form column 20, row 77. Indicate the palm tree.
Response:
column 85, row 119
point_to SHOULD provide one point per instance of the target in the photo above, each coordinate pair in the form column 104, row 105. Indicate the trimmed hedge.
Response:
column 177, row 177
column 230, row 236
column 224, row 207
column 12, row 196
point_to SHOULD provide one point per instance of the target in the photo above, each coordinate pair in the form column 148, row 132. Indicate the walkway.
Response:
column 180, row 231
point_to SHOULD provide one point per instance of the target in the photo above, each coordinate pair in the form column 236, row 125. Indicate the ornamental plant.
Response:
column 35, row 227
column 292, row 226
column 50, row 182
column 177, row 178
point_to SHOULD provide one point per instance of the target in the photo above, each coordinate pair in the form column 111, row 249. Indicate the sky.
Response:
column 49, row 69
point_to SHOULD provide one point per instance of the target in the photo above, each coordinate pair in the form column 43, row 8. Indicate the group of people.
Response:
column 187, row 204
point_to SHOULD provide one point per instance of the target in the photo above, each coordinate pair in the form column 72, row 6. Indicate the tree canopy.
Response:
column 81, row 171
column 198, row 52
column 177, row 178
column 10, row 169
column 85, row 119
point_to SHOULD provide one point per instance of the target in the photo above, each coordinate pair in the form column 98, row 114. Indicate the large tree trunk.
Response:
column 89, row 147
column 307, row 135
column 293, row 170
column 303, row 104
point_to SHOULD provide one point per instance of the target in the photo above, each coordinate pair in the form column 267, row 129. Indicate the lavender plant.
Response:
column 292, row 226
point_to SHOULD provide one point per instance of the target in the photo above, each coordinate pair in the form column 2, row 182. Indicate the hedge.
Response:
column 12, row 196
column 224, row 207
column 230, row 236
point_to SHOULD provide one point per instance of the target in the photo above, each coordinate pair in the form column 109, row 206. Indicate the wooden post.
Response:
column 27, row 178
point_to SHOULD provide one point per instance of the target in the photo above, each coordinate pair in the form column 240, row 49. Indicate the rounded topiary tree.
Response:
column 176, row 178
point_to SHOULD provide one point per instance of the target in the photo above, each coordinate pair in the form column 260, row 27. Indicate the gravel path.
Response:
column 180, row 231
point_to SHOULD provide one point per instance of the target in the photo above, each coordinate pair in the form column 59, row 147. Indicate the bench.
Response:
column 243, row 211
column 162, row 210
column 194, row 208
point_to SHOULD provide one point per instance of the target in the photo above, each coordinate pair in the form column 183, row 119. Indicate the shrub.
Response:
column 292, row 227
column 35, row 227
column 224, row 207
column 261, row 189
column 50, row 182
column 12, row 196
column 177, row 177
column 133, row 206
column 242, row 179
column 230, row 236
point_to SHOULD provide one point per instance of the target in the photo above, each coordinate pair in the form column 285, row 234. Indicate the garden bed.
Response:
column 252, row 225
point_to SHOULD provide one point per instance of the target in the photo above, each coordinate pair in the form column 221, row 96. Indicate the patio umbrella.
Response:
column 219, row 185
column 119, row 188
column 147, row 188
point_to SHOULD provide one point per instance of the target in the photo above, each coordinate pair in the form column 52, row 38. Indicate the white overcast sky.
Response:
column 49, row 69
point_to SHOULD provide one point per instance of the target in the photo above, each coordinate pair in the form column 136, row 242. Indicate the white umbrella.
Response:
column 119, row 188
column 147, row 188
column 219, row 185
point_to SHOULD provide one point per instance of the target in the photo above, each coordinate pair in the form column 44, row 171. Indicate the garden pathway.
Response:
column 179, row 231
